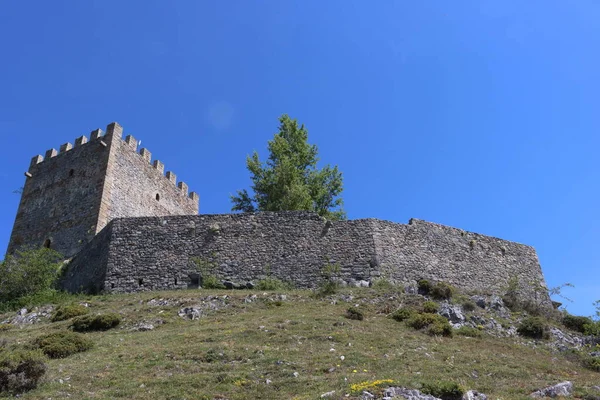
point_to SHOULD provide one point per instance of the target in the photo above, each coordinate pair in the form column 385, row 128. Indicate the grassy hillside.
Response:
column 283, row 345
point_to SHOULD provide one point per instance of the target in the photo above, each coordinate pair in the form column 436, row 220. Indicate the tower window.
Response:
column 157, row 197
column 72, row 172
column 47, row 243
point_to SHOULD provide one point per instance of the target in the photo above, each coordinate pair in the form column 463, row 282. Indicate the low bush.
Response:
column 441, row 291
column 327, row 288
column 212, row 282
column 272, row 284
column 440, row 327
column 443, row 390
column 101, row 322
column 62, row 344
column 424, row 286
column 469, row 305
column 65, row 312
column 576, row 323
column 402, row 314
column 430, row 307
column 436, row 324
column 468, row 331
column 592, row 363
column 592, row 329
column 384, row 284
column 20, row 370
column 354, row 313
column 533, row 327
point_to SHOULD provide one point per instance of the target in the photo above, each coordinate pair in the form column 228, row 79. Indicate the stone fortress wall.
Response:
column 70, row 195
column 131, row 227
column 157, row 253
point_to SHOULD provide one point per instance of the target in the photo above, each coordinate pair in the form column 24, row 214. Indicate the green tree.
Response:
column 290, row 179
column 28, row 272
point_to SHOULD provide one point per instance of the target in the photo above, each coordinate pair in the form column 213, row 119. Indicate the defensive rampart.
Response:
column 153, row 253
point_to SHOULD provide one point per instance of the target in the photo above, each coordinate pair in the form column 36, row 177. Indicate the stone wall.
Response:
column 61, row 197
column 135, row 186
column 70, row 195
column 424, row 250
column 159, row 252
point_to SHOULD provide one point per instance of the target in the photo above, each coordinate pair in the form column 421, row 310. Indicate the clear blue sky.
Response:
column 477, row 114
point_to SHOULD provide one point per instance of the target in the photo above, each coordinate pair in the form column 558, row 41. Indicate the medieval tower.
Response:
column 72, row 194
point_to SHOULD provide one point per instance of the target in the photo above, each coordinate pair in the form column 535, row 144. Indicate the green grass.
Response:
column 232, row 351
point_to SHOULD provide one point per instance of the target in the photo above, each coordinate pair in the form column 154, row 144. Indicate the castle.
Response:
column 129, row 227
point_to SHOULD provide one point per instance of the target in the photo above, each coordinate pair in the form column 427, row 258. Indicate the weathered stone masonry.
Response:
column 157, row 253
column 70, row 195
column 131, row 227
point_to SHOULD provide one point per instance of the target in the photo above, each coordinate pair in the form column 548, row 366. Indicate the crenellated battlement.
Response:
column 115, row 131
column 94, row 179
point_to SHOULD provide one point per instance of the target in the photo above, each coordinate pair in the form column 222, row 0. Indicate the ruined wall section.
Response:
column 158, row 253
column 87, row 270
column 155, row 253
column 61, row 196
column 135, row 186
column 466, row 260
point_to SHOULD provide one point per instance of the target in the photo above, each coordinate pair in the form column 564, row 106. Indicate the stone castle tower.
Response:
column 72, row 194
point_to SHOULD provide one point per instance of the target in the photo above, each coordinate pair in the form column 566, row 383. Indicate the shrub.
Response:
column 420, row 320
column 272, row 284
column 533, row 327
column 436, row 324
column 101, row 322
column 592, row 329
column 354, row 313
column 441, row 291
column 468, row 331
column 592, row 363
column 424, row 286
column 469, row 305
column 20, row 370
column 440, row 327
column 212, row 282
column 65, row 312
column 383, row 284
column 443, row 390
column 402, row 314
column 430, row 307
column 576, row 323
column 28, row 272
column 62, row 344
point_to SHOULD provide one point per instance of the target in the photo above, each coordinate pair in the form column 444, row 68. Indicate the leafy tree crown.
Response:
column 290, row 179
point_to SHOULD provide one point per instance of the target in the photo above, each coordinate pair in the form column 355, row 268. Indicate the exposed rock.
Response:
column 564, row 341
column 228, row 285
column 249, row 285
column 28, row 317
column 480, row 301
column 367, row 395
column 474, row 395
column 190, row 313
column 159, row 302
column 143, row 327
column 452, row 313
column 409, row 394
column 328, row 394
column 560, row 389
column 497, row 304
column 595, row 354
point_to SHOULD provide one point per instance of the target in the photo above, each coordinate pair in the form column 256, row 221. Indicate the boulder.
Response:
column 409, row 394
column 452, row 313
column 560, row 389
column 474, row 395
